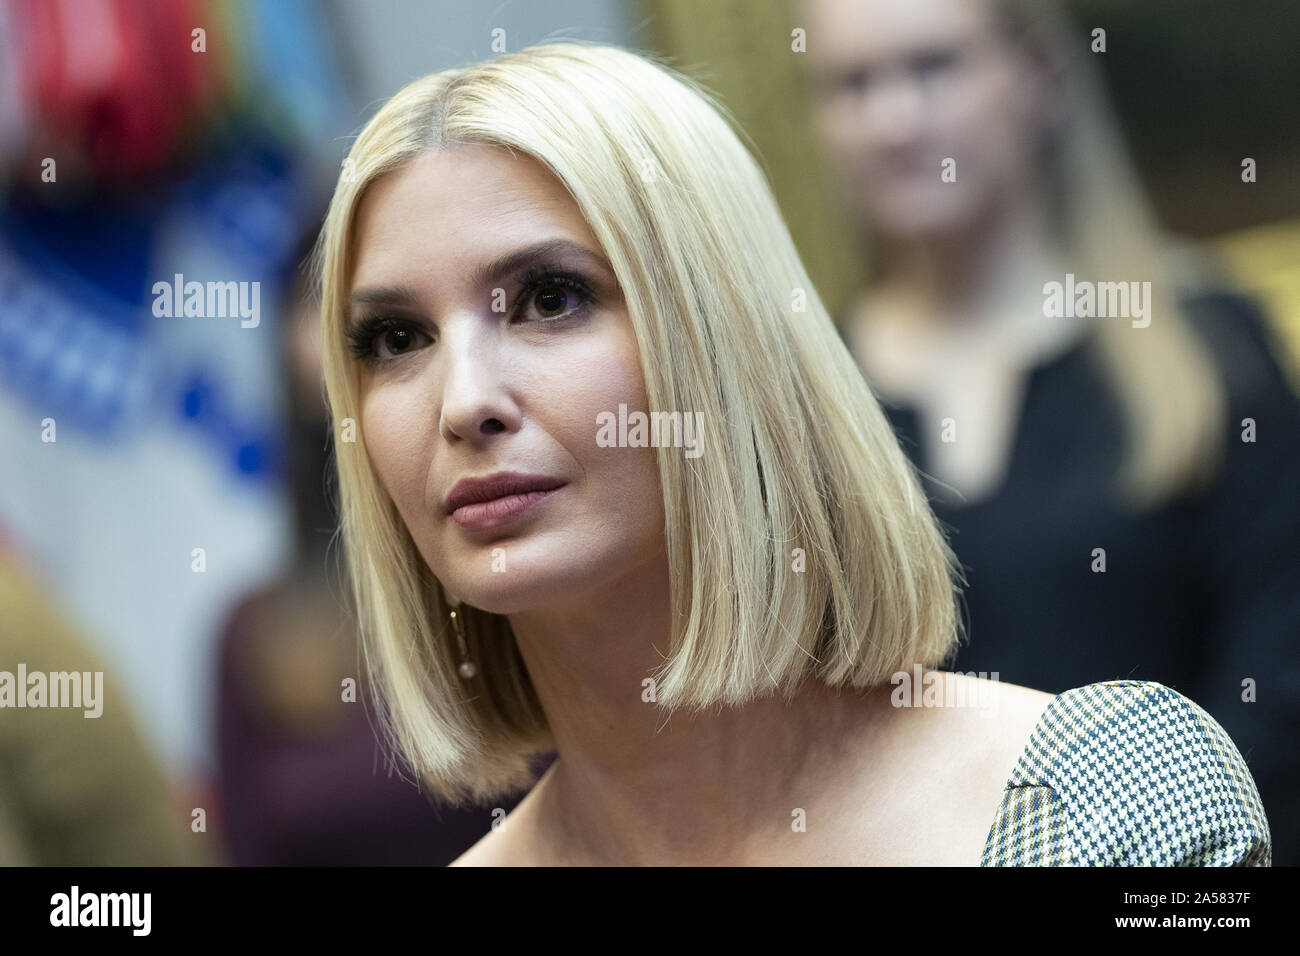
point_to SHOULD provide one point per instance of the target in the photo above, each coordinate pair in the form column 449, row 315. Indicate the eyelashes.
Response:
column 403, row 336
column 365, row 335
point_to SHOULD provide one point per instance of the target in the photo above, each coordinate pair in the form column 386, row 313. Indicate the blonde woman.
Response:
column 732, row 642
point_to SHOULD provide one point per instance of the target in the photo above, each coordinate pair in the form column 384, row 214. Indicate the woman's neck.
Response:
column 635, row 786
column 960, row 274
column 948, row 304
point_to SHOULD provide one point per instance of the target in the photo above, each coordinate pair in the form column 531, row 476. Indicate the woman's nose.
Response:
column 476, row 399
column 891, row 106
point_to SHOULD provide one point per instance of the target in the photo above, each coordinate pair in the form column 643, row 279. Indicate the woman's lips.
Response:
column 499, row 511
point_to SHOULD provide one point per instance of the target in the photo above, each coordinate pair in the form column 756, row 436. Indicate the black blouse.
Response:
column 1199, row 595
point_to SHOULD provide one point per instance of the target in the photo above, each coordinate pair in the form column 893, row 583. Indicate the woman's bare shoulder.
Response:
column 998, row 713
column 995, row 729
column 978, row 702
column 485, row 852
column 500, row 846
column 972, row 735
column 511, row 841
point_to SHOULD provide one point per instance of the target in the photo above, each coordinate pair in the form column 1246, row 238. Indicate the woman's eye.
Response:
column 855, row 81
column 381, row 339
column 550, row 301
column 934, row 63
column 842, row 85
column 551, row 296
column 396, row 341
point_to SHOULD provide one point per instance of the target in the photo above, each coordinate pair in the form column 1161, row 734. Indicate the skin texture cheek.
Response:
column 995, row 123
column 395, row 426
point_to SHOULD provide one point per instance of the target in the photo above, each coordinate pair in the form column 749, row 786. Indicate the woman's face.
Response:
column 492, row 334
column 902, row 86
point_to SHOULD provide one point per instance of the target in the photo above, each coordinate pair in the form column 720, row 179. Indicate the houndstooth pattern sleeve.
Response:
column 1129, row 773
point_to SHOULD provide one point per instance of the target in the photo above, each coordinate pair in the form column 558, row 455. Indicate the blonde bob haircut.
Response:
column 800, row 546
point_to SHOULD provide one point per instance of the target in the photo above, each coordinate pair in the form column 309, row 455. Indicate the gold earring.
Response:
column 467, row 669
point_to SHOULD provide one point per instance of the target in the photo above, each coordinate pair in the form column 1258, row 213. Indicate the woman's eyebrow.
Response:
column 485, row 275
column 387, row 295
column 492, row 272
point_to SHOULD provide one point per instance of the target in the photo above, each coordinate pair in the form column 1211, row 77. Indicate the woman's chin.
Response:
column 511, row 597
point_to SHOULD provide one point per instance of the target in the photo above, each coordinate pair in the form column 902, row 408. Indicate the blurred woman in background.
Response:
column 1112, row 483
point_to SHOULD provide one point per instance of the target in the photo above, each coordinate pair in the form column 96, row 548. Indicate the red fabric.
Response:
column 114, row 80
